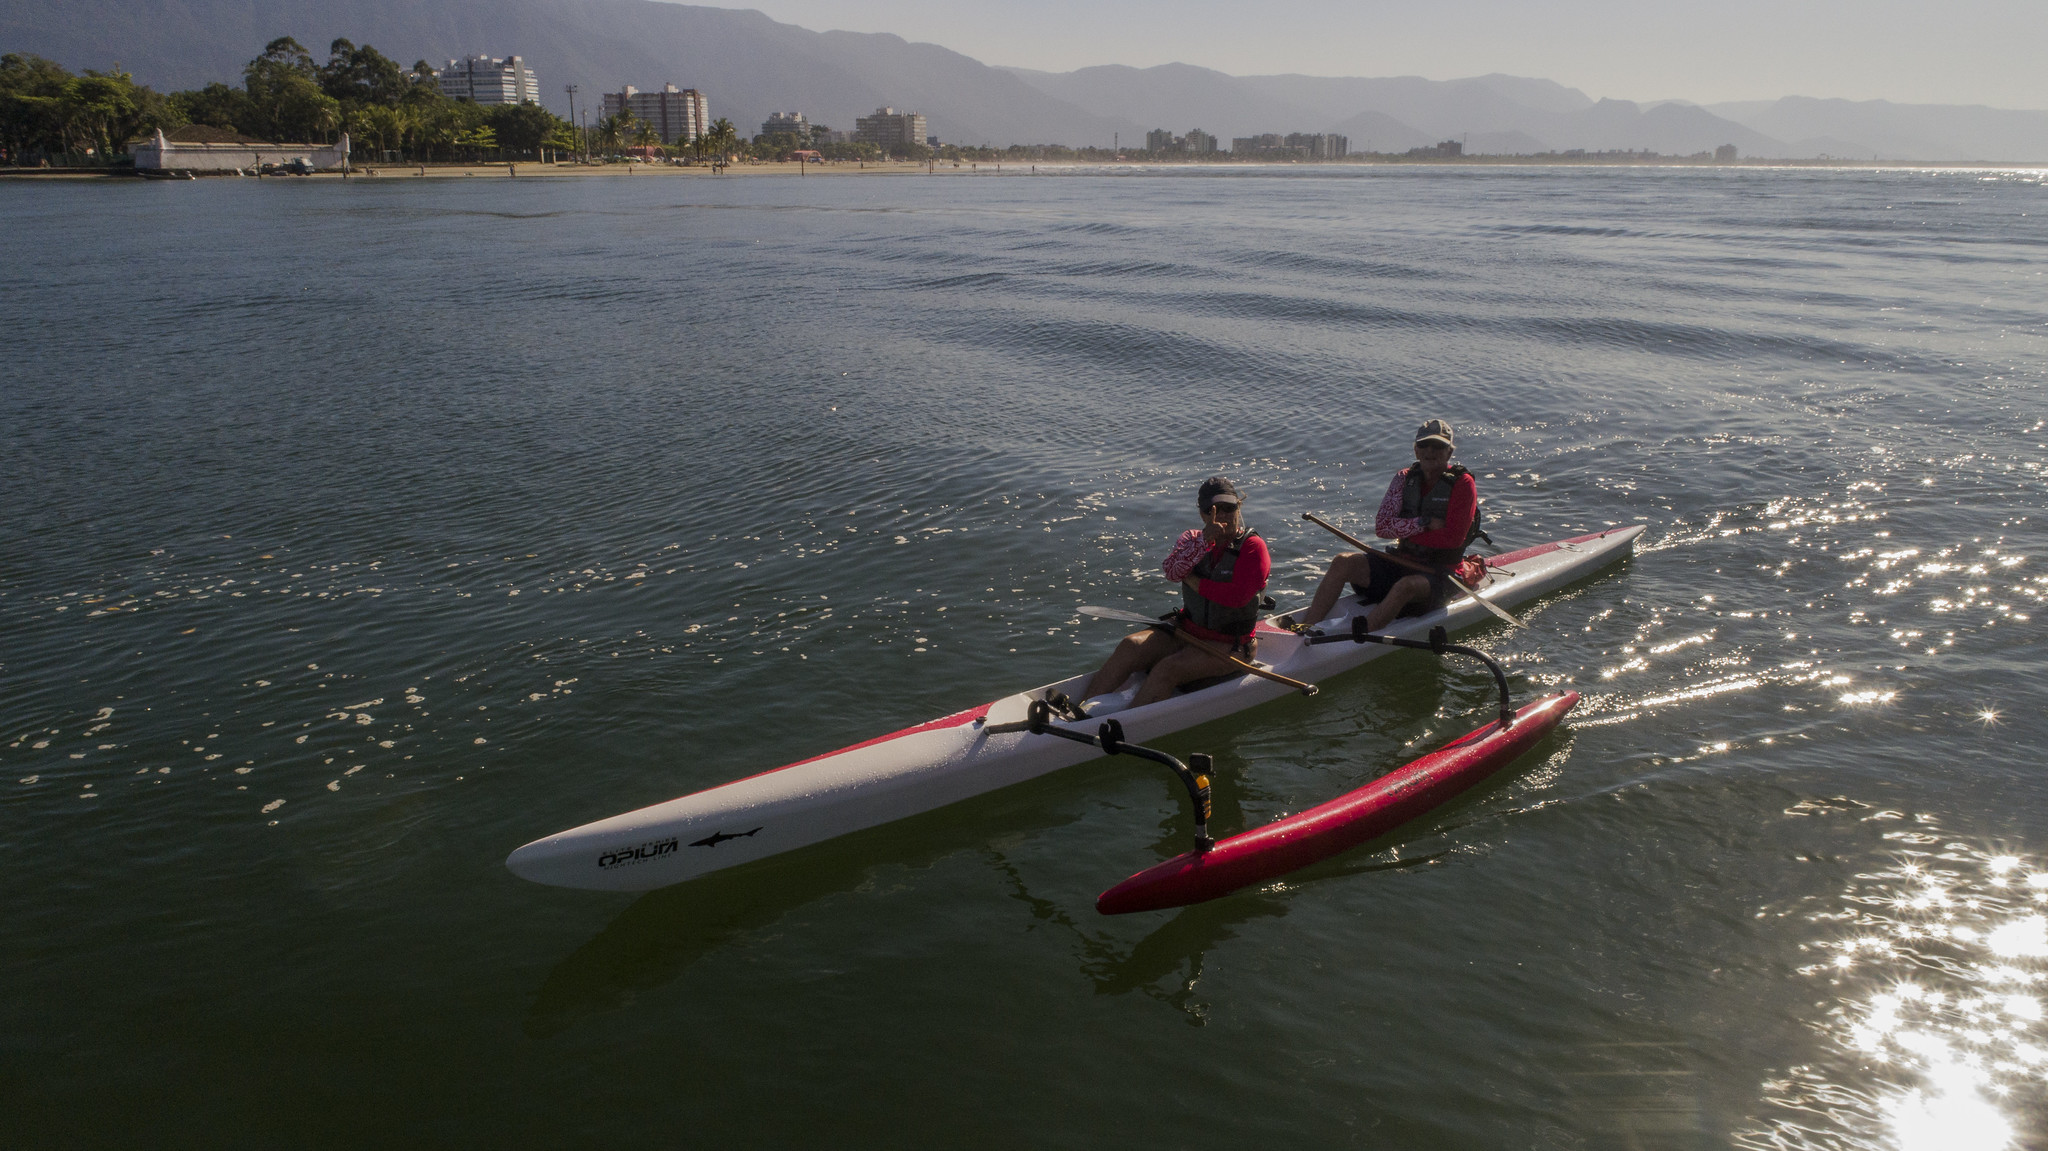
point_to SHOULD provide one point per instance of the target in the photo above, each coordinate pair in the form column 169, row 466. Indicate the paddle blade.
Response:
column 1120, row 614
column 1489, row 605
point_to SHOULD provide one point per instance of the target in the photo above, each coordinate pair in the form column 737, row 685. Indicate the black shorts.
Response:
column 1386, row 573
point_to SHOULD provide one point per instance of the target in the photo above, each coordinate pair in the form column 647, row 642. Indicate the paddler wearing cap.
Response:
column 1431, row 510
column 1222, row 568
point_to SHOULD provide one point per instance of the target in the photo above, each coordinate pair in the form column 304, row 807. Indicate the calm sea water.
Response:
column 356, row 534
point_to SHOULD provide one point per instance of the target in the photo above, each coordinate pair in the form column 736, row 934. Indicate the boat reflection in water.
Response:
column 1948, row 947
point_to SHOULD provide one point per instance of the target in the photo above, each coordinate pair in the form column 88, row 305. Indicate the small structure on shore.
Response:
column 200, row 148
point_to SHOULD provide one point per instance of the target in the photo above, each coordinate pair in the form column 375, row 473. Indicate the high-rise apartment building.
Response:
column 786, row 124
column 489, row 80
column 678, row 114
column 1320, row 145
column 890, row 130
column 1195, row 143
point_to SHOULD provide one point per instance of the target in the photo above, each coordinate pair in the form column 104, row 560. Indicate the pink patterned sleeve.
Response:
column 1187, row 552
column 1390, row 524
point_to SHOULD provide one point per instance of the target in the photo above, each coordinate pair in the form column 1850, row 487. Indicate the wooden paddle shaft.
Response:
column 1222, row 652
column 1413, row 565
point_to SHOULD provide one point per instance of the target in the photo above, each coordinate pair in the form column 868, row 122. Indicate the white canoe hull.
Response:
column 954, row 758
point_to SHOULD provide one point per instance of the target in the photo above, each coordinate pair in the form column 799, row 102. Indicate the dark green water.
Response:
column 357, row 534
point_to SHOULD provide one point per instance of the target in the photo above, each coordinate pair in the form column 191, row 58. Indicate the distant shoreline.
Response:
column 530, row 170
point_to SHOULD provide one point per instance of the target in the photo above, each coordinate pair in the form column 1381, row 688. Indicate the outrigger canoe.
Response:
column 972, row 752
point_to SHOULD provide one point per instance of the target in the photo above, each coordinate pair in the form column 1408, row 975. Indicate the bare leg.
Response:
column 1345, row 568
column 1136, row 653
column 1405, row 589
column 1166, row 676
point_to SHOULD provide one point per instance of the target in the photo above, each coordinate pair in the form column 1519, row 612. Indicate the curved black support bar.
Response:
column 1196, row 780
column 1438, row 642
column 1110, row 738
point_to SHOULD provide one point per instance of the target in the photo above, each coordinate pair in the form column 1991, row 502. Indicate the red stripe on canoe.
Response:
column 957, row 719
column 1501, row 561
column 1341, row 824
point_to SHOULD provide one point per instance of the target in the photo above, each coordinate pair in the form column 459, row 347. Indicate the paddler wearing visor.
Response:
column 1431, row 510
column 1222, row 568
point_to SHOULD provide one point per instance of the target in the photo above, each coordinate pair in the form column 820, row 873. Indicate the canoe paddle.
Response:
column 1213, row 649
column 1405, row 562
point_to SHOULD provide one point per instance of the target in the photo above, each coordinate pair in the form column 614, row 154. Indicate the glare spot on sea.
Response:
column 1932, row 972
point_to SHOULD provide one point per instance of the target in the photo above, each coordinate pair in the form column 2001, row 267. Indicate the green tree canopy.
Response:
column 362, row 75
column 31, row 104
column 284, row 91
column 215, row 105
column 46, row 110
column 109, row 109
column 521, row 128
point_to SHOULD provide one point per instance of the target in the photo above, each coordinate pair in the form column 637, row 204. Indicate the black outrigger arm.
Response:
column 1438, row 642
column 1194, row 775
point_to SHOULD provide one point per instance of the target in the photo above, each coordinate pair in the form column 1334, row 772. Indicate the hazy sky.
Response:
column 1916, row 51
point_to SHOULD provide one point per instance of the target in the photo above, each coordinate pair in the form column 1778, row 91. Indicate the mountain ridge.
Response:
column 749, row 65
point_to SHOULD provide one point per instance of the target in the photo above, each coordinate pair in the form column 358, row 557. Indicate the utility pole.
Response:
column 571, row 90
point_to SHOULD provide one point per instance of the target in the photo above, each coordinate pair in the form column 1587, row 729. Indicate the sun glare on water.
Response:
column 1939, row 965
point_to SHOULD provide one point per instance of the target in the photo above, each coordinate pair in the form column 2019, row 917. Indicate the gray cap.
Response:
column 1435, row 430
column 1217, row 490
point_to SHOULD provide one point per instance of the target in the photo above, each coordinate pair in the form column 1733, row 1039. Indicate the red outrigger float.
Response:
column 1343, row 823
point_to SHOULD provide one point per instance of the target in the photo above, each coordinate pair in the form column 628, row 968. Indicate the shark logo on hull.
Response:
column 718, row 837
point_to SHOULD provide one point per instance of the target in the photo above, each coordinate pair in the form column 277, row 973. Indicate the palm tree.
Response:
column 611, row 131
column 438, row 134
column 326, row 118
column 408, row 128
column 722, row 137
column 366, row 128
column 644, row 134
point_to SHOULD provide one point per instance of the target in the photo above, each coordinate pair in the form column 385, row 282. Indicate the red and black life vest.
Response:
column 1218, row 564
column 1435, row 504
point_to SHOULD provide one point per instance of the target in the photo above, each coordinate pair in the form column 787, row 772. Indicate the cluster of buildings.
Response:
column 794, row 129
column 1441, row 150
column 683, row 115
column 887, row 129
column 1195, row 143
column 1271, row 146
column 1293, row 146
